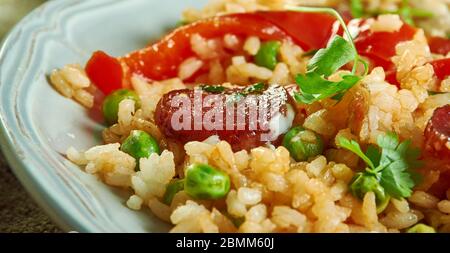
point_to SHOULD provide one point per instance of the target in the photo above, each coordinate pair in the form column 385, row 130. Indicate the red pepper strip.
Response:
column 441, row 68
column 161, row 60
column 439, row 45
column 308, row 30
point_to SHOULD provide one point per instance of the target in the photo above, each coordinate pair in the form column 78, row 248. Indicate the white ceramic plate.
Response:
column 38, row 124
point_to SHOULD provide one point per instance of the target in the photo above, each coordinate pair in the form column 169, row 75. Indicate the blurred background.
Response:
column 18, row 212
column 12, row 11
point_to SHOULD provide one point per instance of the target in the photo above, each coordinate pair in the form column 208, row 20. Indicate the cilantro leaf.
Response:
column 396, row 180
column 393, row 166
column 396, row 165
column 328, row 60
column 355, row 148
column 314, row 87
column 356, row 8
column 341, row 21
column 374, row 154
column 388, row 141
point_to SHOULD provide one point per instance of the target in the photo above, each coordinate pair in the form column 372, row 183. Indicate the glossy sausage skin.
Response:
column 437, row 133
column 236, row 125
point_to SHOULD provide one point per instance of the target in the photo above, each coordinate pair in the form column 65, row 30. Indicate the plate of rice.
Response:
column 232, row 116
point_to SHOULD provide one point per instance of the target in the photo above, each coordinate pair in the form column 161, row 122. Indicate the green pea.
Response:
column 112, row 101
column 421, row 228
column 173, row 188
column 206, row 182
column 363, row 183
column 303, row 144
column 267, row 54
column 140, row 144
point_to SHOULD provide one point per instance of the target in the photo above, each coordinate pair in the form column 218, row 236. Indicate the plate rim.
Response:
column 35, row 188
column 71, row 202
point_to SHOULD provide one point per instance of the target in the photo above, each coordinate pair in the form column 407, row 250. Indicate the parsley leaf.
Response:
column 355, row 148
column 388, row 141
column 328, row 60
column 374, row 155
column 392, row 167
column 396, row 180
column 314, row 87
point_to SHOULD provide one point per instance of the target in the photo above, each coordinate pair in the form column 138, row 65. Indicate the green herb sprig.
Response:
column 314, row 85
column 391, row 165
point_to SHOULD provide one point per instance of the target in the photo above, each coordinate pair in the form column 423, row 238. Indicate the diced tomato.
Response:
column 105, row 72
column 439, row 45
column 441, row 68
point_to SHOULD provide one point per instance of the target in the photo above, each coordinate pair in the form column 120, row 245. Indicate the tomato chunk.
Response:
column 439, row 45
column 105, row 72
column 441, row 68
column 380, row 46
